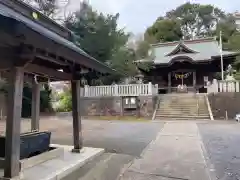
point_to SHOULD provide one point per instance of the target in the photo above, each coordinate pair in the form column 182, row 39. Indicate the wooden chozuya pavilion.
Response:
column 187, row 63
column 34, row 47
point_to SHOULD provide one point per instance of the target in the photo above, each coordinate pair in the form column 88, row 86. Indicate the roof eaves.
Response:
column 9, row 13
column 227, row 54
column 199, row 40
column 43, row 15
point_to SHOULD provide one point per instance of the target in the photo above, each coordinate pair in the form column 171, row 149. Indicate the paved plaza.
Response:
column 186, row 150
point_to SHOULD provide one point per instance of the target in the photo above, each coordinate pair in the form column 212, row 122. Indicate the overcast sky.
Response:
column 136, row 15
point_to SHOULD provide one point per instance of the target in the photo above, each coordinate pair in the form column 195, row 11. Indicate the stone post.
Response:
column 150, row 89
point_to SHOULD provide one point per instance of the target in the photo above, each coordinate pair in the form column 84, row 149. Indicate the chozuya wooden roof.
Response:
column 195, row 51
column 38, row 32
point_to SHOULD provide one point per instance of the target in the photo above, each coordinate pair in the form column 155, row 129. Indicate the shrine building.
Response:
column 188, row 63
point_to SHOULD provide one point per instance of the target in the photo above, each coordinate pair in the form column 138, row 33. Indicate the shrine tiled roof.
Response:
column 197, row 50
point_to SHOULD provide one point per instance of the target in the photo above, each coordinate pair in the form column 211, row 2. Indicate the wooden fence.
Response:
column 223, row 86
column 120, row 90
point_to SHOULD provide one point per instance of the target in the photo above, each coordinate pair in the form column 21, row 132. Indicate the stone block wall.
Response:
column 222, row 102
column 113, row 106
column 101, row 106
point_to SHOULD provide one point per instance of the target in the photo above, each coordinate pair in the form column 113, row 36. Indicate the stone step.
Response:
column 182, row 117
column 182, row 95
column 185, row 98
column 180, row 104
column 181, row 114
column 182, row 107
column 183, row 110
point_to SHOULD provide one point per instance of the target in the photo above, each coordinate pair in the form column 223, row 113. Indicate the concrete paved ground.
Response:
column 222, row 143
column 119, row 137
column 123, row 142
column 128, row 139
column 175, row 154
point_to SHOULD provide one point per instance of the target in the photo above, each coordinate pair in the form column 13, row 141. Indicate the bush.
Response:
column 45, row 99
column 65, row 102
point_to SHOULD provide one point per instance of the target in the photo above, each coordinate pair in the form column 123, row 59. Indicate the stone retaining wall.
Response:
column 113, row 106
column 224, row 102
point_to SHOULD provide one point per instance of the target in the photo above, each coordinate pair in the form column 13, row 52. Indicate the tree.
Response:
column 164, row 30
column 51, row 8
column 228, row 28
column 47, row 7
column 142, row 49
column 196, row 20
column 97, row 34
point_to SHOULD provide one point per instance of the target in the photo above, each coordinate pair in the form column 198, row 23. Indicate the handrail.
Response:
column 209, row 107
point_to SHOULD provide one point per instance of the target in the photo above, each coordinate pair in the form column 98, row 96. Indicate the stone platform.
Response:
column 59, row 167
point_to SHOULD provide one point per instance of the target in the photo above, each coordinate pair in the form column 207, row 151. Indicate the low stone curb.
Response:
column 68, row 170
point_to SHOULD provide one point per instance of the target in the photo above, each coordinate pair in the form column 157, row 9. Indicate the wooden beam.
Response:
column 50, row 59
column 63, row 51
column 35, row 106
column 77, row 138
column 47, row 72
column 13, row 123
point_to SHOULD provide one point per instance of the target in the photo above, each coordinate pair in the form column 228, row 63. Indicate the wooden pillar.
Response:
column 77, row 130
column 194, row 80
column 13, row 122
column 169, row 82
column 35, row 106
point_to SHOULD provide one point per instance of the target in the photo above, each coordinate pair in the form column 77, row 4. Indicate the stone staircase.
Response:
column 182, row 107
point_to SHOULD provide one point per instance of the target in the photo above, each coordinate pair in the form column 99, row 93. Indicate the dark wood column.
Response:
column 35, row 106
column 77, row 130
column 13, row 122
column 169, row 82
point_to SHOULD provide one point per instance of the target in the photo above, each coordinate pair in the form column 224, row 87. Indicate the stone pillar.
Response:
column 35, row 106
column 13, row 122
column 169, row 82
column 77, row 131
column 194, row 80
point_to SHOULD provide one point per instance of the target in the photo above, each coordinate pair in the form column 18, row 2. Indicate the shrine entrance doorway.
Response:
column 183, row 81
